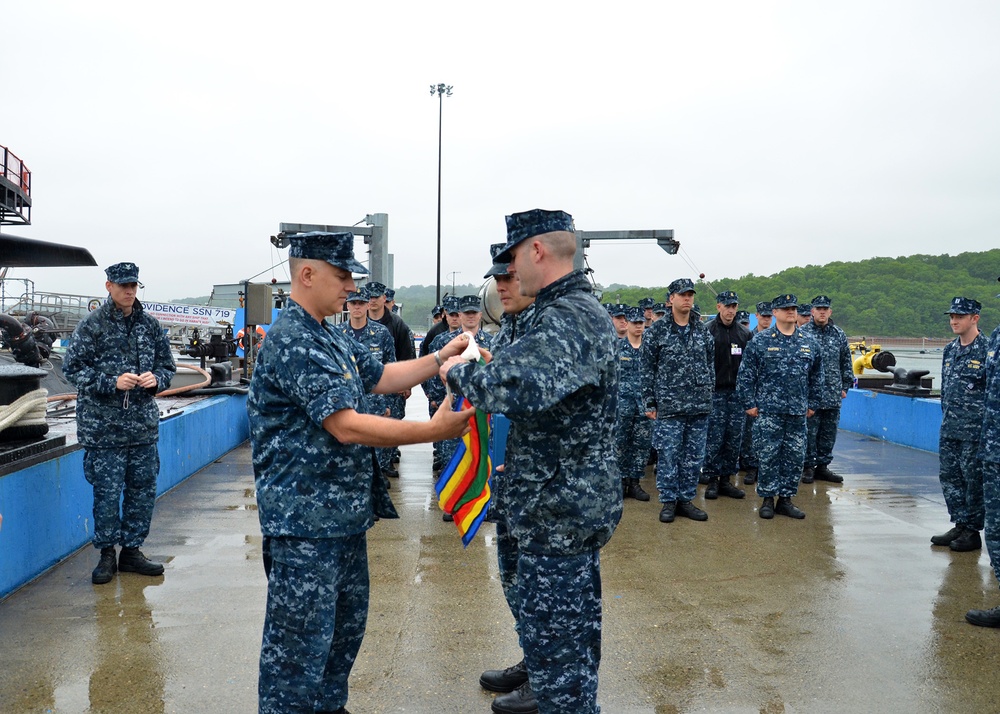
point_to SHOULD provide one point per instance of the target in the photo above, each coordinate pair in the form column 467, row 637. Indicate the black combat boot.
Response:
column 712, row 489
column 967, row 540
column 668, row 512
column 504, row 680
column 689, row 510
column 767, row 508
column 946, row 538
column 984, row 618
column 785, row 507
column 750, row 477
column 132, row 560
column 808, row 475
column 106, row 568
column 634, row 490
column 520, row 701
column 726, row 488
column 823, row 473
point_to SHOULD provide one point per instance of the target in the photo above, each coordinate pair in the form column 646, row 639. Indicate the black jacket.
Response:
column 728, row 340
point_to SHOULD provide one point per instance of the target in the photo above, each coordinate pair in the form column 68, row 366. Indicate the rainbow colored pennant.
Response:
column 463, row 488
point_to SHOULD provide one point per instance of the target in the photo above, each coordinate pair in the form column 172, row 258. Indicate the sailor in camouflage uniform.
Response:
column 779, row 385
column 470, row 319
column 678, row 373
column 633, row 429
column 433, row 387
column 518, row 312
column 647, row 304
column 803, row 314
column 619, row 321
column 558, row 385
column 314, row 469
column 838, row 377
column 379, row 341
column 963, row 397
column 118, row 358
column 748, row 458
column 725, row 426
column 989, row 454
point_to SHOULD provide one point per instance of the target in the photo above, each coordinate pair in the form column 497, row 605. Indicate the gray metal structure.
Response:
column 663, row 237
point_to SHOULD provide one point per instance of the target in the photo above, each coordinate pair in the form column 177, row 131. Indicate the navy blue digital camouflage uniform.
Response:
column 678, row 372
column 562, row 496
column 512, row 326
column 780, row 375
column 963, row 397
column 725, row 426
column 379, row 341
column 838, row 377
column 316, row 499
column 633, row 429
column 989, row 452
column 119, row 429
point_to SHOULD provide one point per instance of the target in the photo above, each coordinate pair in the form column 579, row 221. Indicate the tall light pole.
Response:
column 453, row 274
column 442, row 91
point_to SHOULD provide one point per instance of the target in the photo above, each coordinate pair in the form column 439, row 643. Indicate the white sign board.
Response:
column 194, row 315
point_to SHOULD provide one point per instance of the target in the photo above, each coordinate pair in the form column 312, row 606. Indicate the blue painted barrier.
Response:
column 48, row 508
column 902, row 420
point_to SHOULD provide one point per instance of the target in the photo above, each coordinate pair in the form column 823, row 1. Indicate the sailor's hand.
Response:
column 127, row 381
column 651, row 414
column 455, row 347
column 146, row 380
column 450, row 424
column 486, row 355
column 810, row 412
column 755, row 412
column 446, row 367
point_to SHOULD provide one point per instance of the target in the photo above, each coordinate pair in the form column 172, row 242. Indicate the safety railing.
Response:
column 14, row 170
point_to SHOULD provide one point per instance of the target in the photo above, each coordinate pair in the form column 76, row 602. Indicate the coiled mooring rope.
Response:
column 26, row 410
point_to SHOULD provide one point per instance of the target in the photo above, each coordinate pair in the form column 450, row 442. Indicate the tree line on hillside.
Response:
column 899, row 297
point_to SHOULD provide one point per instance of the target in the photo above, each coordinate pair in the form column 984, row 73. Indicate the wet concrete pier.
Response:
column 850, row 610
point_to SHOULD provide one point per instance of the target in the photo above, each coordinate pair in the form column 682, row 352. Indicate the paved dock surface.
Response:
column 850, row 610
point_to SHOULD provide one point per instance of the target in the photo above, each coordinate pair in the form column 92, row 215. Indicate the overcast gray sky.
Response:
column 766, row 134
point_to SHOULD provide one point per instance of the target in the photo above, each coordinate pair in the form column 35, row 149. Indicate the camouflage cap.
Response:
column 528, row 224
column 764, row 308
column 498, row 267
column 437, row 310
column 659, row 308
column 786, row 300
column 469, row 303
column 822, row 301
column 375, row 289
column 647, row 303
column 123, row 273
column 964, row 306
column 390, row 294
column 620, row 310
column 696, row 310
column 635, row 314
column 743, row 317
column 727, row 297
column 337, row 249
column 681, row 285
column 607, row 306
column 359, row 295
column 450, row 304
column 804, row 309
